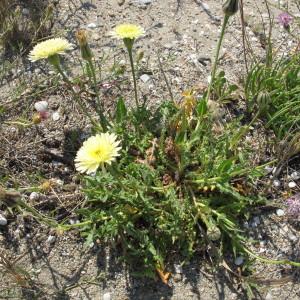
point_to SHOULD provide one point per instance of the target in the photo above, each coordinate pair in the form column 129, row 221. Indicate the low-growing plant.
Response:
column 175, row 186
column 161, row 180
column 274, row 84
column 281, row 82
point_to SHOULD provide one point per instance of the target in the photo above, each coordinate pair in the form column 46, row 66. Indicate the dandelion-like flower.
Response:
column 285, row 19
column 96, row 151
column 49, row 48
column 128, row 31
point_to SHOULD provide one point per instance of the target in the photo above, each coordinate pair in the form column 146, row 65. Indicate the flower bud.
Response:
column 263, row 100
column 85, row 50
column 36, row 118
column 230, row 7
column 213, row 233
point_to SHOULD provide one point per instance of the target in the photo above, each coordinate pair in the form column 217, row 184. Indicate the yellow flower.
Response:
column 128, row 31
column 95, row 151
column 49, row 48
column 189, row 101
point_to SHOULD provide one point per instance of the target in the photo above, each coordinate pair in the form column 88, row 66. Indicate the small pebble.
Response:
column 276, row 183
column 106, row 296
column 178, row 269
column 292, row 184
column 34, row 196
column 25, row 11
column 295, row 175
column 72, row 221
column 55, row 116
column 3, row 220
column 145, row 78
column 51, row 239
column 239, row 260
column 92, row 25
column 280, row 212
column 41, row 106
column 143, row 2
column 256, row 220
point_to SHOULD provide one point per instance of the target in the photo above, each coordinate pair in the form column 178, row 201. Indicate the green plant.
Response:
column 180, row 181
column 221, row 89
column 174, row 187
column 18, row 29
column 281, row 81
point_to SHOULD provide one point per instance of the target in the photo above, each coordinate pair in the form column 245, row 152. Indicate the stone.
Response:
column 178, row 269
column 51, row 239
column 143, row 2
column 145, row 78
column 25, row 11
column 41, row 106
column 34, row 196
column 295, row 175
column 292, row 184
column 121, row 2
column 280, row 212
column 239, row 261
column 107, row 296
column 92, row 25
column 3, row 220
column 276, row 183
column 55, row 116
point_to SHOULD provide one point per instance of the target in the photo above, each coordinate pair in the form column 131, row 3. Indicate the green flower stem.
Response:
column 81, row 224
column 99, row 109
column 37, row 215
column 243, row 131
column 213, row 73
column 54, row 61
column 129, row 43
column 271, row 261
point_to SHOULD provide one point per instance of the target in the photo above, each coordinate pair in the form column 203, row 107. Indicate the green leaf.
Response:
column 121, row 111
column 226, row 165
column 201, row 108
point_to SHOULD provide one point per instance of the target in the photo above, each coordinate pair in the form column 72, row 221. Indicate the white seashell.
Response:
column 41, row 106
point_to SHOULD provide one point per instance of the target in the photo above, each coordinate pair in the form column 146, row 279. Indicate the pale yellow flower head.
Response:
column 128, row 31
column 49, row 48
column 95, row 151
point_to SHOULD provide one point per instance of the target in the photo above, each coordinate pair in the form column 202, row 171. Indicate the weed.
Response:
column 281, row 81
column 21, row 25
